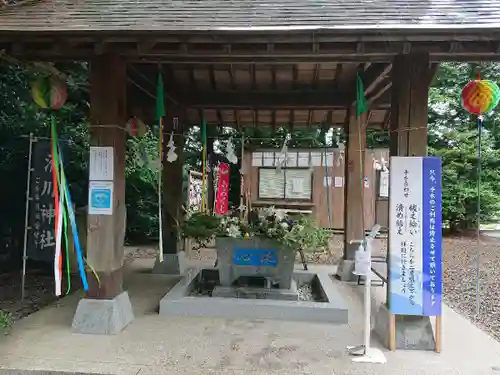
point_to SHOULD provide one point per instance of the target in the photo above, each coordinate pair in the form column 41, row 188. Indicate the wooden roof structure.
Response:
column 276, row 95
column 220, row 15
column 254, row 62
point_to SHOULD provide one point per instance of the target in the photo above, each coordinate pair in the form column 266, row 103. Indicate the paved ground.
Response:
column 155, row 345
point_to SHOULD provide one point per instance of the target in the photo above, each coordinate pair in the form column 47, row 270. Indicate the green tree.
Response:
column 453, row 137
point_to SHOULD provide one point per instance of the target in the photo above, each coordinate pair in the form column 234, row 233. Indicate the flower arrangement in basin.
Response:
column 260, row 242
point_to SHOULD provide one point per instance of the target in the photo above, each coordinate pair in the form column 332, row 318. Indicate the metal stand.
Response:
column 364, row 353
column 26, row 216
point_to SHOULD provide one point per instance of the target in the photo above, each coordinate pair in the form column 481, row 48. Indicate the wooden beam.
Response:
column 380, row 92
column 264, row 99
column 274, row 41
column 374, row 75
column 240, row 48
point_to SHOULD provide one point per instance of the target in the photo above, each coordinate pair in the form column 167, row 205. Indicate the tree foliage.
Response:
column 453, row 136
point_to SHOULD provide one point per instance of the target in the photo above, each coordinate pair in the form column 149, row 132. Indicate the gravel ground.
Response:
column 459, row 279
column 39, row 290
column 459, row 275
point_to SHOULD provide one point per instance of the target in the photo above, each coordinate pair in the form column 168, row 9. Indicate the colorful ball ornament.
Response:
column 49, row 92
column 480, row 96
column 136, row 127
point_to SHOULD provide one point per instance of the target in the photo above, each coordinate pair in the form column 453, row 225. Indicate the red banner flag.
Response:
column 221, row 200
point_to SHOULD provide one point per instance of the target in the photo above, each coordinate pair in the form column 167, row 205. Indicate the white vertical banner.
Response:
column 405, row 235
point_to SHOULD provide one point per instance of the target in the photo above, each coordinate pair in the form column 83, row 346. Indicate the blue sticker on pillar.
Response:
column 100, row 198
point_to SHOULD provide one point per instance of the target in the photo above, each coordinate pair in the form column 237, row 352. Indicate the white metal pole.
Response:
column 365, row 353
column 367, row 296
column 26, row 216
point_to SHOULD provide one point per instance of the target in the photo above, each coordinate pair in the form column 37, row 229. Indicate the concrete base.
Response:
column 412, row 332
column 258, row 293
column 344, row 270
column 179, row 302
column 103, row 316
column 173, row 264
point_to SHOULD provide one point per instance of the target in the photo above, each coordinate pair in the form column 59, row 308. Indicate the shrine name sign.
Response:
column 415, row 236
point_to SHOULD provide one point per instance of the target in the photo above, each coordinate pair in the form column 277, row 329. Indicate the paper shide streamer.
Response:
column 50, row 93
column 282, row 157
column 171, row 155
column 230, row 153
column 341, row 148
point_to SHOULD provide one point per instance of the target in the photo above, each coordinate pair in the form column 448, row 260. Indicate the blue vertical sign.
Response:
column 432, row 235
column 415, row 236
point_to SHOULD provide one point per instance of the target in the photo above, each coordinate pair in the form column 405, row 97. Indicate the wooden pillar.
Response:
column 106, row 233
column 173, row 180
column 409, row 109
column 354, row 172
column 411, row 75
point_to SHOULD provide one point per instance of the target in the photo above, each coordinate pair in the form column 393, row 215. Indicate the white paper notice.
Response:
column 257, row 159
column 101, row 164
column 297, row 185
column 339, row 181
column 303, row 159
column 384, row 184
column 291, row 161
column 101, row 198
column 328, row 160
column 316, row 159
column 327, row 181
column 367, row 182
column 268, row 159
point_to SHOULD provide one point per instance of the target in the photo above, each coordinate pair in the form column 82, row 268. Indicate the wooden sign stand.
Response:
column 392, row 333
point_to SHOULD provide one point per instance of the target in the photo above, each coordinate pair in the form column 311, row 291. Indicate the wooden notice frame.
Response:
column 437, row 333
